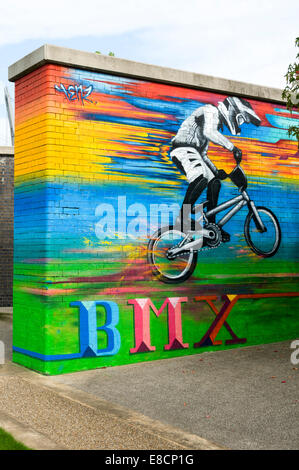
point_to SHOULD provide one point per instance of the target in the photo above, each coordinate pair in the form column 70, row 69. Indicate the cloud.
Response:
column 33, row 19
column 243, row 40
column 68, row 18
column 253, row 42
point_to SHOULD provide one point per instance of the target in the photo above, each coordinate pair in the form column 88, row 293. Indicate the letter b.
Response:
column 89, row 328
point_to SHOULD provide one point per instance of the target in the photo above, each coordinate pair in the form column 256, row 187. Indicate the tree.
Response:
column 291, row 91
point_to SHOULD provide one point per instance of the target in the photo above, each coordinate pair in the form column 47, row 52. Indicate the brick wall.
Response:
column 6, row 225
column 89, row 143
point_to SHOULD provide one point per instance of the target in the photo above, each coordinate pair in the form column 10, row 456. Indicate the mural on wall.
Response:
column 172, row 250
column 129, row 250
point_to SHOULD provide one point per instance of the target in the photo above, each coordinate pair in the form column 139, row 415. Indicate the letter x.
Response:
column 209, row 338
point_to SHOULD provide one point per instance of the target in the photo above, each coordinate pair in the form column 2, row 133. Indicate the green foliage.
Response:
column 291, row 91
column 111, row 54
column 7, row 442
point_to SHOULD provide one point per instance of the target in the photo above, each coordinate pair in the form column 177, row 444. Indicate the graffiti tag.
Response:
column 75, row 92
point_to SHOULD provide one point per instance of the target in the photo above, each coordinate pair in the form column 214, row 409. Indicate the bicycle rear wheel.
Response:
column 264, row 244
column 167, row 269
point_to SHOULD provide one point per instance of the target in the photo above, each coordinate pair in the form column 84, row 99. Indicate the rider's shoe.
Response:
column 225, row 236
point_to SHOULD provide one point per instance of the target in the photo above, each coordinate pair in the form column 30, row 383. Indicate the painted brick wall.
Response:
column 92, row 156
column 6, row 228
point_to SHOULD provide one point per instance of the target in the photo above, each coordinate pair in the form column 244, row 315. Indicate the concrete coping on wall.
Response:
column 6, row 150
column 123, row 67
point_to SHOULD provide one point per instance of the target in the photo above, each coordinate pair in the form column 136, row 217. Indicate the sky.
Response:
column 245, row 40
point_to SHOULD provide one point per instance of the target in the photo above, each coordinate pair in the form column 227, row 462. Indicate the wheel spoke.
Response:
column 263, row 243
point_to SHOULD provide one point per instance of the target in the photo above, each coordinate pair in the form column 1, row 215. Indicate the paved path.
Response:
column 244, row 398
column 71, row 419
column 45, row 414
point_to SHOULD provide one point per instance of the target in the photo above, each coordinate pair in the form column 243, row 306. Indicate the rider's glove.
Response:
column 237, row 155
column 221, row 174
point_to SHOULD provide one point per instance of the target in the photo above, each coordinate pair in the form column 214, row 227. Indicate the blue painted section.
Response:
column 285, row 111
column 88, row 328
column 281, row 122
column 67, row 232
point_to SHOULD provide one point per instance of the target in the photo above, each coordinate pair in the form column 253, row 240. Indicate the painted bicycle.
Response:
column 173, row 252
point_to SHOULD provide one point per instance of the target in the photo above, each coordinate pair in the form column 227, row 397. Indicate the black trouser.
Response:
column 195, row 189
column 213, row 191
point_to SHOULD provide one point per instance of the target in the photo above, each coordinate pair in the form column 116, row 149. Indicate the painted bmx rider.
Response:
column 190, row 145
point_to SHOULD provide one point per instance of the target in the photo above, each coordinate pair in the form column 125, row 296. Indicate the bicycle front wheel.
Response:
column 264, row 244
column 171, row 270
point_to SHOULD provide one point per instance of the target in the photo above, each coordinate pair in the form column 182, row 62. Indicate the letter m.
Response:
column 142, row 323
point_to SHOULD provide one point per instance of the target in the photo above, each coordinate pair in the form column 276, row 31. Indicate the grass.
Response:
column 7, row 442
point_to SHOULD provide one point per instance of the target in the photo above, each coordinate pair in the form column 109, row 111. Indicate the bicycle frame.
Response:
column 238, row 202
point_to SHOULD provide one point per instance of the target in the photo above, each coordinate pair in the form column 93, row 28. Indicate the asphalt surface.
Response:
column 72, row 424
column 245, row 398
column 242, row 399
column 44, row 414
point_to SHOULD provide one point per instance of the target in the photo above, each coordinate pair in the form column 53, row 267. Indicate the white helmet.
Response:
column 235, row 111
